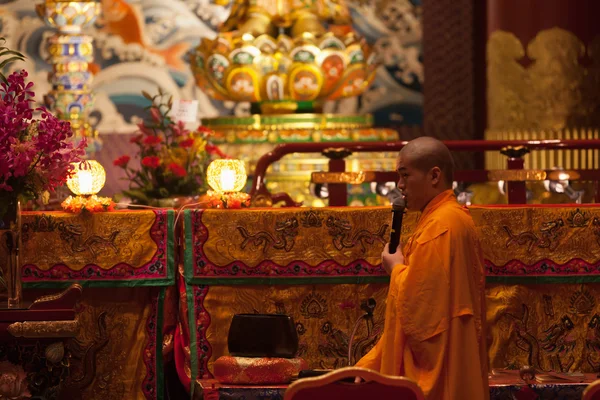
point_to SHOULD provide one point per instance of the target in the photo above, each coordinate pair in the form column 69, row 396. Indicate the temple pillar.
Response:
column 543, row 77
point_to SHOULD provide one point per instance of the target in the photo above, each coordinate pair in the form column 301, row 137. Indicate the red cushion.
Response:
column 257, row 371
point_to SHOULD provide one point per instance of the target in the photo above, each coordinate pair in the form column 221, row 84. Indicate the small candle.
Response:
column 227, row 179
column 85, row 181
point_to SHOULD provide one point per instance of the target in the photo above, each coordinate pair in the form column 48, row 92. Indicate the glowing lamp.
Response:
column 87, row 178
column 226, row 175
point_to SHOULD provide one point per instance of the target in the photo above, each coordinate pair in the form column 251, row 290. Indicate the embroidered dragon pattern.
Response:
column 342, row 236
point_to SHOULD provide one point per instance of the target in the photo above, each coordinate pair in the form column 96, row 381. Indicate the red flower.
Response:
column 152, row 140
column 203, row 129
column 136, row 139
column 151, row 162
column 144, row 129
column 122, row 161
column 212, row 149
column 177, row 170
column 186, row 143
column 179, row 129
column 155, row 114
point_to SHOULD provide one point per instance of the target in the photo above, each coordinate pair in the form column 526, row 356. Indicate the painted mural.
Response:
column 143, row 44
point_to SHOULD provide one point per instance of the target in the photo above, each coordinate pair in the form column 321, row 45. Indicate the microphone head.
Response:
column 399, row 203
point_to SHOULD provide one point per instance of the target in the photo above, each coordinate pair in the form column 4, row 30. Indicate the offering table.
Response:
column 318, row 265
column 125, row 262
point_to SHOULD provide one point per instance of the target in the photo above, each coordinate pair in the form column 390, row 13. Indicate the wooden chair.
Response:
column 592, row 392
column 373, row 386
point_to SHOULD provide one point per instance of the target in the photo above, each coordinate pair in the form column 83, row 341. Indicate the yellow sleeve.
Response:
column 373, row 359
column 424, row 287
column 424, row 361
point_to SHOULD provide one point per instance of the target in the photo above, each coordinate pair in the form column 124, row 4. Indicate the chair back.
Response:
column 373, row 386
column 592, row 392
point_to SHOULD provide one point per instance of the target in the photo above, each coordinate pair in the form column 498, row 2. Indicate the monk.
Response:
column 435, row 308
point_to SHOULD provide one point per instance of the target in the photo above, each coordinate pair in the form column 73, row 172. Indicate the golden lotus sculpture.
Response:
column 283, row 72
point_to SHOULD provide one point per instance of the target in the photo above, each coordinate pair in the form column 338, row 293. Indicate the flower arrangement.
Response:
column 229, row 200
column 92, row 204
column 173, row 160
column 36, row 155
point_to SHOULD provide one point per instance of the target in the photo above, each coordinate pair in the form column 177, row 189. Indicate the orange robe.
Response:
column 435, row 308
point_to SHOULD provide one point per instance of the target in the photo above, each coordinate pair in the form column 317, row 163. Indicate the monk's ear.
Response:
column 436, row 175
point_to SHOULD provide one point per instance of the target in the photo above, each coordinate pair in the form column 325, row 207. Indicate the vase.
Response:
column 10, row 231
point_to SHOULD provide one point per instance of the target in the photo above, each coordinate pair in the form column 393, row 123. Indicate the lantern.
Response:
column 88, row 178
column 226, row 175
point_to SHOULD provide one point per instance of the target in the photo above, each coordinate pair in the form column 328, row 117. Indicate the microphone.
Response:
column 397, row 213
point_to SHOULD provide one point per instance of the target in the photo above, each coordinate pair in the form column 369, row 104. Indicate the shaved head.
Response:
column 425, row 153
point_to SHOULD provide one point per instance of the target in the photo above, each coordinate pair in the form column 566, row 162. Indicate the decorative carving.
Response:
column 549, row 234
column 352, row 178
column 44, row 329
column 55, row 352
column 27, row 368
column 554, row 92
column 285, row 232
column 13, row 382
column 335, row 153
column 66, row 299
column 341, row 232
column 514, row 152
column 518, row 175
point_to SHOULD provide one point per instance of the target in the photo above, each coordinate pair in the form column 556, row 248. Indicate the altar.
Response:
column 318, row 265
column 126, row 263
column 319, row 97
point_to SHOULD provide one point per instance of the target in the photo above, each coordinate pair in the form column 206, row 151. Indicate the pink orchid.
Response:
column 35, row 154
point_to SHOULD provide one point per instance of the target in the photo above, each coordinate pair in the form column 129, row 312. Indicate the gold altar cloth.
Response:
column 122, row 248
column 542, row 265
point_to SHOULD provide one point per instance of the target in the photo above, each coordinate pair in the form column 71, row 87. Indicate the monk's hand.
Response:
column 389, row 261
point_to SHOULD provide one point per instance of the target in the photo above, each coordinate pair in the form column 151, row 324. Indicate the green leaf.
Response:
column 163, row 192
column 4, row 52
column 9, row 60
column 137, row 195
column 147, row 95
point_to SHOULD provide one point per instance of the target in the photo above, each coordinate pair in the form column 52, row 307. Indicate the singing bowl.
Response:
column 262, row 335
